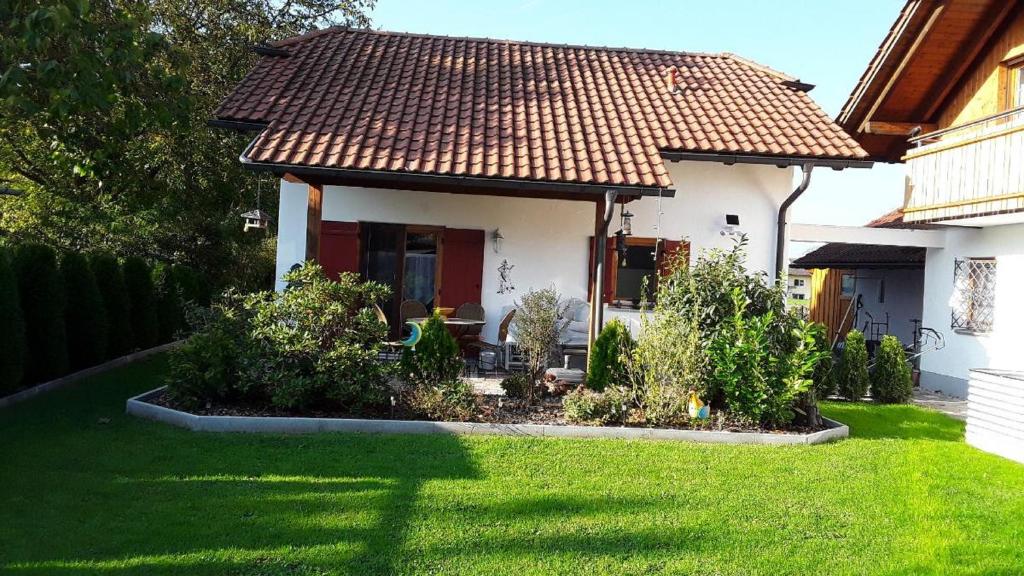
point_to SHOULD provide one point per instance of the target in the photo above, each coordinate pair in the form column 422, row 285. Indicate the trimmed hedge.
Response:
column 110, row 281
column 891, row 382
column 169, row 309
column 853, row 368
column 42, row 302
column 12, row 328
column 85, row 319
column 138, row 281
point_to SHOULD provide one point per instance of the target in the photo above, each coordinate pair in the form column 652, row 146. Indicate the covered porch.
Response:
column 453, row 242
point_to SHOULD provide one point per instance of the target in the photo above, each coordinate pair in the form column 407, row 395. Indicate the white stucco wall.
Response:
column 1003, row 348
column 904, row 293
column 548, row 240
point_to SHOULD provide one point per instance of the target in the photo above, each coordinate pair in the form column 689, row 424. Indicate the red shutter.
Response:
column 462, row 266
column 339, row 247
column 611, row 260
column 667, row 253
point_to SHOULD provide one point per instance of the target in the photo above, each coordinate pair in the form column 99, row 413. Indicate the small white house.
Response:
column 472, row 170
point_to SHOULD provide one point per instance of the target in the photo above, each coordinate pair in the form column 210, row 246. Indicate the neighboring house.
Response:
column 798, row 288
column 877, row 289
column 472, row 170
column 945, row 95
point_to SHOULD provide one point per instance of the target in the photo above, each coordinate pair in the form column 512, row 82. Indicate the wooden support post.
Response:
column 314, row 217
column 605, row 209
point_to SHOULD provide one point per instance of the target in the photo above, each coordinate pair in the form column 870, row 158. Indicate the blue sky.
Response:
column 824, row 42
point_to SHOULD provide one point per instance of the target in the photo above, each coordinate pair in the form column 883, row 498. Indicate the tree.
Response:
column 138, row 281
column 42, row 303
column 538, row 326
column 121, row 159
column 110, row 281
column 84, row 316
column 12, row 328
column 853, row 367
column 891, row 381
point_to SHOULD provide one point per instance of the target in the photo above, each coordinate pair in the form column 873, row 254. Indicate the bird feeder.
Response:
column 256, row 220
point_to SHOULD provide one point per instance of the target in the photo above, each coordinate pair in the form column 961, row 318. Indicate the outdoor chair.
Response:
column 499, row 347
column 394, row 348
column 412, row 309
column 471, row 311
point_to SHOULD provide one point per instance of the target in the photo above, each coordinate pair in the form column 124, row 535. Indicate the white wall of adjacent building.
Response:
column 1003, row 347
column 547, row 241
column 895, row 295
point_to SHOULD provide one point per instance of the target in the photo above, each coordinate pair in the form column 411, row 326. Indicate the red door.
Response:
column 339, row 247
column 462, row 266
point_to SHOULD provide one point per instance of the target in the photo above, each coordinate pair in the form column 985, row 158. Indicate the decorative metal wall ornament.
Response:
column 505, row 277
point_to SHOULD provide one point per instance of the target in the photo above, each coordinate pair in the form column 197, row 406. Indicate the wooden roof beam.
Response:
column 904, row 64
column 897, row 128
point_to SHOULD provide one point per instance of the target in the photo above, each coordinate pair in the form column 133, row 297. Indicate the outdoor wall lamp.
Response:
column 627, row 223
column 496, row 239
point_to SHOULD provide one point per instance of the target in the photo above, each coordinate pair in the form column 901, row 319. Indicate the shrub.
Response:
column 853, row 377
column 42, row 304
column 318, row 344
column 315, row 345
column 825, row 372
column 606, row 357
column 584, row 406
column 891, row 381
column 516, row 386
column 170, row 311
column 12, row 328
column 537, row 327
column 435, row 360
column 84, row 316
column 453, row 400
column 208, row 367
column 760, row 385
column 110, row 281
column 138, row 281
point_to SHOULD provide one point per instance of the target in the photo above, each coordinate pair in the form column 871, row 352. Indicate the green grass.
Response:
column 85, row 489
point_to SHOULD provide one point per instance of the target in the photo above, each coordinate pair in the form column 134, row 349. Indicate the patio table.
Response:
column 457, row 326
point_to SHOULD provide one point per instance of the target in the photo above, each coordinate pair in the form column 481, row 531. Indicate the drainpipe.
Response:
column 600, row 248
column 780, row 241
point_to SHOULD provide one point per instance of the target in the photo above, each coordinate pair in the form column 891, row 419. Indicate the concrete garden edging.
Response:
column 138, row 406
column 57, row 383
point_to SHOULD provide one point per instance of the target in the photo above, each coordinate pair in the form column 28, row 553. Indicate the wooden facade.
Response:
column 828, row 304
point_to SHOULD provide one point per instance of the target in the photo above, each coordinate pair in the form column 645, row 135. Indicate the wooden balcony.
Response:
column 975, row 169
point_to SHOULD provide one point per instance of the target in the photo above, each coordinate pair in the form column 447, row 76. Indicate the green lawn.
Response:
column 85, row 489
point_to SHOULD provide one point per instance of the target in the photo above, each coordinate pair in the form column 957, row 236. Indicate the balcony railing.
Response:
column 969, row 170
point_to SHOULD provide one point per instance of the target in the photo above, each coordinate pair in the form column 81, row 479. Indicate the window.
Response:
column 799, row 296
column 974, row 294
column 798, row 282
column 848, row 286
column 638, row 266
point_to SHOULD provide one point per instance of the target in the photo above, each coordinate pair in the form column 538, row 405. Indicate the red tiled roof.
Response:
column 367, row 100
column 837, row 255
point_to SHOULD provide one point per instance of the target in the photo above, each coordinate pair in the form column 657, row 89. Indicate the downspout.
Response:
column 600, row 249
column 780, row 241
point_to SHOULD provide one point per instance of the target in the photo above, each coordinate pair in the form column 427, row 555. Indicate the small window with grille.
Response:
column 974, row 294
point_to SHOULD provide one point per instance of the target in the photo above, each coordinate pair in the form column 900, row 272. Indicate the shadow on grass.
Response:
column 898, row 421
column 88, row 489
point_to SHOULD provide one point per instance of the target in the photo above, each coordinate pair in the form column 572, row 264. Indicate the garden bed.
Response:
column 542, row 419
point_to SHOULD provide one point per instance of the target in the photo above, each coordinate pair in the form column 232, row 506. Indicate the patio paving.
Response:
column 949, row 405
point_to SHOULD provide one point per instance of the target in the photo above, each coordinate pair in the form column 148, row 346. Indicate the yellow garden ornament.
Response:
column 697, row 409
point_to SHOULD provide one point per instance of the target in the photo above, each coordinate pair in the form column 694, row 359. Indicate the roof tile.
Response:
column 361, row 99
